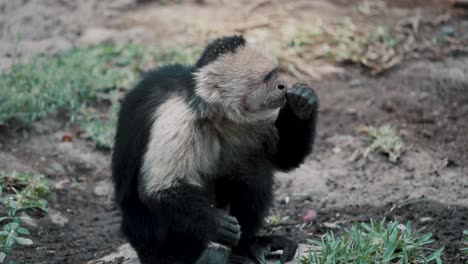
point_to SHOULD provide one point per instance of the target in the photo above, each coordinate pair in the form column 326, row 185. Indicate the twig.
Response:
column 256, row 6
column 245, row 28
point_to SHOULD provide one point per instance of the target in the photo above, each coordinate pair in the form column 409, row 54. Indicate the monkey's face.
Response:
column 246, row 84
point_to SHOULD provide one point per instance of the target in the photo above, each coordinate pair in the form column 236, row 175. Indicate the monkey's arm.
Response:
column 296, row 127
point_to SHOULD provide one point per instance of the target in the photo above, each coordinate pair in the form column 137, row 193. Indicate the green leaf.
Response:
column 22, row 231
column 2, row 257
column 436, row 255
column 388, row 254
column 24, row 241
column 11, row 226
column 10, row 240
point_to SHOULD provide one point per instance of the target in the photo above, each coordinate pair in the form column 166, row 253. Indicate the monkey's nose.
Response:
column 281, row 85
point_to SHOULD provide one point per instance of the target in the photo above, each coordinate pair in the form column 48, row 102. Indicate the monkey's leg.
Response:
column 249, row 207
column 182, row 226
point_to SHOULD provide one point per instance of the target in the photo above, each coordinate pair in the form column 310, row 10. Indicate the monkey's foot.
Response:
column 265, row 245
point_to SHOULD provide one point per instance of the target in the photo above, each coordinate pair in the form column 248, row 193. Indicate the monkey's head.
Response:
column 241, row 79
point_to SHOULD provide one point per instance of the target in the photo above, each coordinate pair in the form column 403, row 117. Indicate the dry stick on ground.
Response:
column 244, row 28
column 256, row 6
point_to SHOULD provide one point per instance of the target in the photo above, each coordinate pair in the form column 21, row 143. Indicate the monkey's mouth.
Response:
column 275, row 102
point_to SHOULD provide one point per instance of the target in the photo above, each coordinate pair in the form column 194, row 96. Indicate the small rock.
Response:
column 355, row 83
column 124, row 254
column 425, row 219
column 331, row 225
column 336, row 150
column 103, row 188
column 61, row 184
column 57, row 218
column 448, row 31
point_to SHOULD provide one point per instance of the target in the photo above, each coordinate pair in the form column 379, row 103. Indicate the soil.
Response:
column 425, row 98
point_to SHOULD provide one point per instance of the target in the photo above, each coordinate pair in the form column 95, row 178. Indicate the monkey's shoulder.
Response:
column 157, row 86
column 168, row 77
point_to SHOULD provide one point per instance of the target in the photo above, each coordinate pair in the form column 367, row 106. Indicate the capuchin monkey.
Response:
column 195, row 152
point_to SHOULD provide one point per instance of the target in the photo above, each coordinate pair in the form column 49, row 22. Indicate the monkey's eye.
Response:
column 269, row 76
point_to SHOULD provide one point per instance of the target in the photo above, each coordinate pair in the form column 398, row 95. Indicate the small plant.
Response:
column 346, row 42
column 19, row 192
column 27, row 190
column 385, row 140
column 465, row 242
column 374, row 243
column 273, row 220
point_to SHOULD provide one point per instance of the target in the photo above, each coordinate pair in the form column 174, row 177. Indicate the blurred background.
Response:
column 392, row 143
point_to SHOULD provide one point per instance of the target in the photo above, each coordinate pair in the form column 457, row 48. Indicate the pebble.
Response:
column 57, row 218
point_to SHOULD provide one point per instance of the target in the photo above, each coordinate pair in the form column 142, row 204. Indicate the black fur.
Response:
column 219, row 47
column 176, row 225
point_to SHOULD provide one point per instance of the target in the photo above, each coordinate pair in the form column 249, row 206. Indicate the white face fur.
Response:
column 244, row 85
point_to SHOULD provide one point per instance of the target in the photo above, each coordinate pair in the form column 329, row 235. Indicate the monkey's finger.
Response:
column 229, row 238
column 233, row 228
column 224, row 217
column 313, row 102
column 298, row 90
column 302, row 102
column 299, row 85
column 293, row 98
column 230, row 219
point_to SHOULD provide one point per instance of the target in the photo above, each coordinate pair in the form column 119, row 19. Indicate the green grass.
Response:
column 19, row 192
column 385, row 140
column 78, row 81
column 376, row 242
column 465, row 243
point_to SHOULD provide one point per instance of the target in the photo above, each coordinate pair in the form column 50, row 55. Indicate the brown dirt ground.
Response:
column 426, row 99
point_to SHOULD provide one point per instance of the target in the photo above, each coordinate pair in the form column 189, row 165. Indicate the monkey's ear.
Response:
column 220, row 46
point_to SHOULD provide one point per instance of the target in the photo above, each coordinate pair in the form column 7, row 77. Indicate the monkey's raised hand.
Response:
column 302, row 99
column 228, row 230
